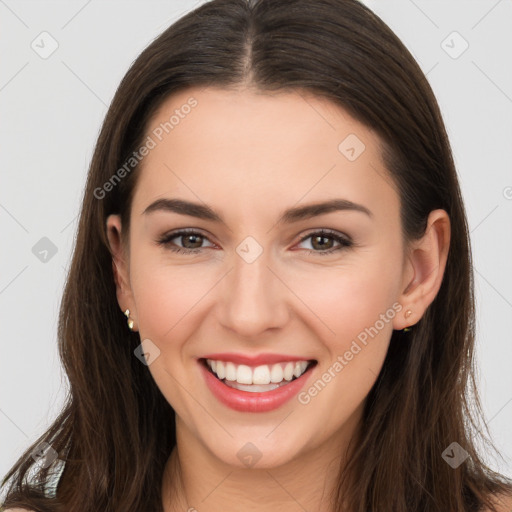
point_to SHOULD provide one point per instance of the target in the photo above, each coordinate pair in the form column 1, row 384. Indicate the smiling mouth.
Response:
column 258, row 379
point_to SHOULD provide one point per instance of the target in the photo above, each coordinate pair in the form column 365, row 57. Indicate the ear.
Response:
column 120, row 267
column 424, row 269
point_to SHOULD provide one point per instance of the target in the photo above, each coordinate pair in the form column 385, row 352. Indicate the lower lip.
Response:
column 246, row 401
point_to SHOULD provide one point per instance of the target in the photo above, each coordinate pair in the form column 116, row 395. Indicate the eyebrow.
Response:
column 202, row 211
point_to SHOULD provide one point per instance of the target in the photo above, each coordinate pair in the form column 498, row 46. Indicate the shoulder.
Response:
column 502, row 502
column 18, row 510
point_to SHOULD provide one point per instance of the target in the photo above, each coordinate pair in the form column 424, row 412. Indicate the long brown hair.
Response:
column 116, row 430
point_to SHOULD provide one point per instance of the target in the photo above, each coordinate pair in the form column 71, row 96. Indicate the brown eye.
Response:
column 319, row 242
column 191, row 241
column 322, row 242
column 195, row 241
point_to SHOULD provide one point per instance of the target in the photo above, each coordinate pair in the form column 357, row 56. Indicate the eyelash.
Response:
column 344, row 241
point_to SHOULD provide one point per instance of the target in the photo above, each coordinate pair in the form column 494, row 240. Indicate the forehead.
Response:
column 247, row 149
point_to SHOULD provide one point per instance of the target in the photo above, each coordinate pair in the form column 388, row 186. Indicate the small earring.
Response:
column 130, row 321
column 407, row 314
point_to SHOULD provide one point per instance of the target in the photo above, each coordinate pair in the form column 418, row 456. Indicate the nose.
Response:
column 254, row 297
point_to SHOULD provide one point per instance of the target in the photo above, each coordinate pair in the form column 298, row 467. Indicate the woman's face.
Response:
column 258, row 282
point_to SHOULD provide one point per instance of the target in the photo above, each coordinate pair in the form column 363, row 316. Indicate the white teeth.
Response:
column 276, row 374
column 230, row 371
column 243, row 374
column 262, row 375
column 254, row 388
column 288, row 371
column 220, row 369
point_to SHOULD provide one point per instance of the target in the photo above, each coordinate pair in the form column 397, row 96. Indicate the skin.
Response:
column 250, row 156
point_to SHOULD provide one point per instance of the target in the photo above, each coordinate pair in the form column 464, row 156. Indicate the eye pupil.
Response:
column 198, row 241
column 320, row 237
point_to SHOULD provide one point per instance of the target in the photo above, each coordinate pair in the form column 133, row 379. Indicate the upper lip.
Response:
column 254, row 360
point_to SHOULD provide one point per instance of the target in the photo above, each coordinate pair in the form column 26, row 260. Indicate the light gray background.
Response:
column 51, row 111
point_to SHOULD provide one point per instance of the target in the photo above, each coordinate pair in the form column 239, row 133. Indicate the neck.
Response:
column 195, row 480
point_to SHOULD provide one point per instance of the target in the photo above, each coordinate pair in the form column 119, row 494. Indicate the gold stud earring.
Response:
column 130, row 321
column 407, row 314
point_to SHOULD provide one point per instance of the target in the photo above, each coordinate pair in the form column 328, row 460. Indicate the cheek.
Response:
column 168, row 296
column 351, row 299
column 168, row 301
column 358, row 307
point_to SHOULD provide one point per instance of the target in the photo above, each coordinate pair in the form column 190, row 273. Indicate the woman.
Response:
column 270, row 303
